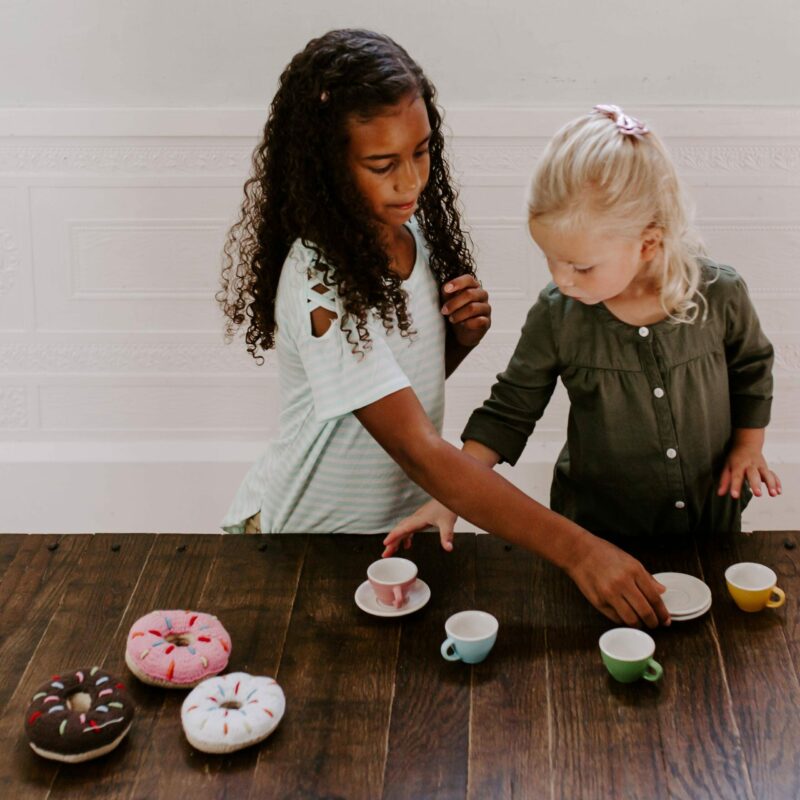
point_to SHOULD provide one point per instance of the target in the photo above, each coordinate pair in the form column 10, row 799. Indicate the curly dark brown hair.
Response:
column 301, row 188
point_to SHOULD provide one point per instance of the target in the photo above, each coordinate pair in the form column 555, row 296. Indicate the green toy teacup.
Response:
column 628, row 655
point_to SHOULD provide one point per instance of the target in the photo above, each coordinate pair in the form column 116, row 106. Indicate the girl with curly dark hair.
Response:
column 349, row 259
column 348, row 230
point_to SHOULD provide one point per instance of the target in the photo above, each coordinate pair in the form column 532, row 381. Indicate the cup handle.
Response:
column 654, row 670
column 446, row 645
column 781, row 598
column 398, row 597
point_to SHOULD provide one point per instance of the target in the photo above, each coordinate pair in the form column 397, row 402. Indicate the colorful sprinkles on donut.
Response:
column 78, row 715
column 232, row 711
column 177, row 648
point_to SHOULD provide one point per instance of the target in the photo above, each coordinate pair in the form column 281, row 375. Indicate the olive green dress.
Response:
column 652, row 408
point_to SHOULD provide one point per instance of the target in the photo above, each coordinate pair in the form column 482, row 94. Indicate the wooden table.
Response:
column 372, row 708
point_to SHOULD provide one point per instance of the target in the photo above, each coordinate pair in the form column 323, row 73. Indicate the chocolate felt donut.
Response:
column 78, row 715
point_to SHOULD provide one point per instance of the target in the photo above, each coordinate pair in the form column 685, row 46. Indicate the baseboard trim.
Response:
column 185, row 487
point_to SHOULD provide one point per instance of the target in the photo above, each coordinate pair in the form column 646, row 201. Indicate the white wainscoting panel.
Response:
column 121, row 408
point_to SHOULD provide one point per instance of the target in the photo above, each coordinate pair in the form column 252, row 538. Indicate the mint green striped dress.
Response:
column 323, row 473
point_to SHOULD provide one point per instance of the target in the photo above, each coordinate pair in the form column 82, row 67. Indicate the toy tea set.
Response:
column 628, row 653
column 82, row 714
column 392, row 589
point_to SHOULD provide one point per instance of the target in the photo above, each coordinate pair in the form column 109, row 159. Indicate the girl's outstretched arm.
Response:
column 614, row 582
column 433, row 512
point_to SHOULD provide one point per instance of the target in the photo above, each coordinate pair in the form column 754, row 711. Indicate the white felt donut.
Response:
column 229, row 712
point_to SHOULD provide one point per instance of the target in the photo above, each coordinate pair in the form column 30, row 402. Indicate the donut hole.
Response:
column 231, row 704
column 178, row 639
column 79, row 701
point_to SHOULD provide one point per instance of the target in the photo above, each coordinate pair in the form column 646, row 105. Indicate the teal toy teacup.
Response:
column 628, row 655
column 470, row 636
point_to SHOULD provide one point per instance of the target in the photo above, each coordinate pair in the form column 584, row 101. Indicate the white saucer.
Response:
column 418, row 596
column 693, row 615
column 685, row 594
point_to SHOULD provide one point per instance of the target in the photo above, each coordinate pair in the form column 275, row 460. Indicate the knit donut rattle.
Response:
column 232, row 711
column 177, row 649
column 77, row 716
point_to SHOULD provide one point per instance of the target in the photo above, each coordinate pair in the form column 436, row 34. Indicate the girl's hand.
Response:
column 745, row 460
column 467, row 309
column 617, row 585
column 432, row 513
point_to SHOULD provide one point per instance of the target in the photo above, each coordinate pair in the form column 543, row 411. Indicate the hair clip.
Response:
column 630, row 126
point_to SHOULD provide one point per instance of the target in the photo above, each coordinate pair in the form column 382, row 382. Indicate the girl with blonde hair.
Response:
column 668, row 372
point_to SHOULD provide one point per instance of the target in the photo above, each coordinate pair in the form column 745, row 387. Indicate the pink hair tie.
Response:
column 630, row 126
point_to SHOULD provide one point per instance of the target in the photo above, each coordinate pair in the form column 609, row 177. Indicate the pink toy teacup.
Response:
column 391, row 578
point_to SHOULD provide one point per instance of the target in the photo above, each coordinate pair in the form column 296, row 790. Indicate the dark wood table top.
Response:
column 372, row 708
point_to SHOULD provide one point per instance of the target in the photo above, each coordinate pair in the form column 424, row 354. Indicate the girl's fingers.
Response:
column 404, row 528
column 778, row 486
column 469, row 311
column 724, row 481
column 393, row 546
column 464, row 298
column 608, row 610
column 754, row 479
column 446, row 537
column 771, row 479
column 475, row 324
column 626, row 612
column 611, row 613
column 644, row 610
column 651, row 591
column 459, row 283
column 737, row 476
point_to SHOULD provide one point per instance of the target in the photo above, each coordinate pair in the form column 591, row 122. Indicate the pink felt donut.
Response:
column 177, row 648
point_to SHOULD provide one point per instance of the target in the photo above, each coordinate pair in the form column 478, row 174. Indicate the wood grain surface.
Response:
column 373, row 710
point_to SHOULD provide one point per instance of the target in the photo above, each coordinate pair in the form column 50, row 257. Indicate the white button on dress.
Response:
column 672, row 452
column 643, row 331
column 658, row 392
column 680, row 504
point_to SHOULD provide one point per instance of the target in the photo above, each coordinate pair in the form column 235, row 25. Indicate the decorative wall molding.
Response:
column 504, row 242
column 743, row 224
column 135, row 358
column 9, row 261
column 91, row 240
column 693, row 161
column 498, row 141
column 205, row 475
column 715, row 159
column 787, row 359
column 500, row 159
column 13, row 407
column 701, row 121
column 495, row 158
column 111, row 159
column 202, row 360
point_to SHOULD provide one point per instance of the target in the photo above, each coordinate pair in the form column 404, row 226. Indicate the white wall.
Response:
column 228, row 53
column 121, row 409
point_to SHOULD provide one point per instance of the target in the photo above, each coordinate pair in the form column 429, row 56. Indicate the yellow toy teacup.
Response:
column 752, row 586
